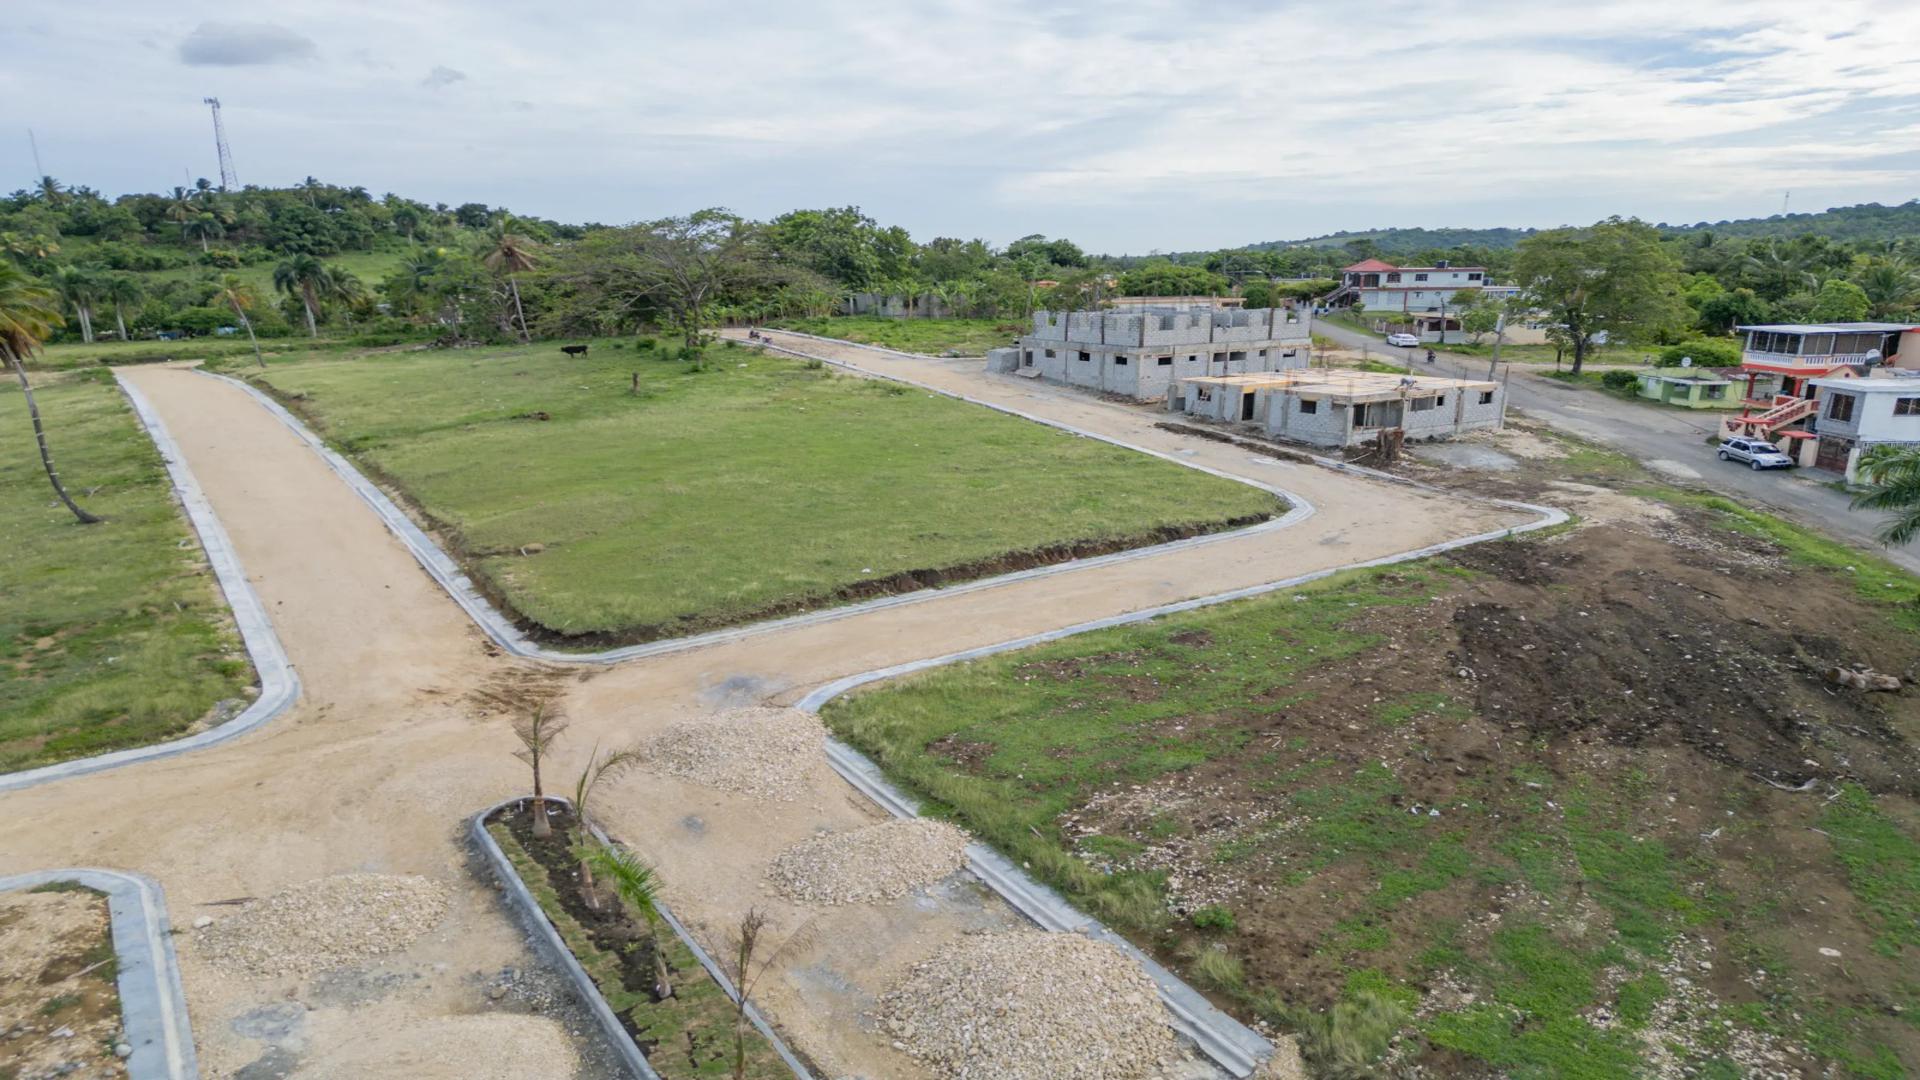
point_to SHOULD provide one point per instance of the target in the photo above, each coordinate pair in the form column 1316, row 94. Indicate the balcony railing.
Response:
column 1799, row 360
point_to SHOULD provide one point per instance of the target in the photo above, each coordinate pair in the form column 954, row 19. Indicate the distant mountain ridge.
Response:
column 1865, row 221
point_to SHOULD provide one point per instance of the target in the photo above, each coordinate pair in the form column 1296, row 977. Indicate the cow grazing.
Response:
column 574, row 350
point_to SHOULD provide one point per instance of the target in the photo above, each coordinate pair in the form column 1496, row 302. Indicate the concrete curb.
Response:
column 527, row 910
column 447, row 572
column 153, row 1007
column 1229, row 1043
column 279, row 685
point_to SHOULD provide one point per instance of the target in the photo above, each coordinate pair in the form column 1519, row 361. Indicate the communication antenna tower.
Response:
column 38, row 171
column 228, row 179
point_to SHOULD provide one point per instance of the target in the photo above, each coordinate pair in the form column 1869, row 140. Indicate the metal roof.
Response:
column 1832, row 328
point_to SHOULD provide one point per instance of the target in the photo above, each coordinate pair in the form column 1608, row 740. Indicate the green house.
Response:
column 1689, row 388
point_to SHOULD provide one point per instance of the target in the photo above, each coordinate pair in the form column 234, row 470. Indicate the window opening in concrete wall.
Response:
column 1086, row 355
column 1486, row 397
column 1246, row 405
column 1120, row 361
column 1906, row 406
column 1309, row 406
column 1165, row 361
column 1049, row 354
column 1841, row 408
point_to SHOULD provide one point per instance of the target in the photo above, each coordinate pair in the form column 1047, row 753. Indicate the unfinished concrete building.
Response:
column 1342, row 408
column 1141, row 354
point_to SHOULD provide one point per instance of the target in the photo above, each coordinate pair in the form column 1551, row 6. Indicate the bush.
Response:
column 1619, row 380
column 1214, row 917
column 1706, row 352
column 225, row 258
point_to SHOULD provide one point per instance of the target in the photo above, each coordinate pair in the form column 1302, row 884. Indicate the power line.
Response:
column 229, row 180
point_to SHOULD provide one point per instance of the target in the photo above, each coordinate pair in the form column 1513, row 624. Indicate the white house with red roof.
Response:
column 1381, row 287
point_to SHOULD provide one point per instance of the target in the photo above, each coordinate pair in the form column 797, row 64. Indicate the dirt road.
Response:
column 387, row 751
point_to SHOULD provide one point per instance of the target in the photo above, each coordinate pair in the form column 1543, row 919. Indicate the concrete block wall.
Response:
column 1284, row 417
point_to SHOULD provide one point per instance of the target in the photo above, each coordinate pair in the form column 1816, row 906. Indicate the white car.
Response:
column 1404, row 341
column 1758, row 453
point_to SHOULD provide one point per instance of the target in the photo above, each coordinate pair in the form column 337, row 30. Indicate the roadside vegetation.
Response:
column 114, row 634
column 731, row 486
column 966, row 337
column 1556, row 806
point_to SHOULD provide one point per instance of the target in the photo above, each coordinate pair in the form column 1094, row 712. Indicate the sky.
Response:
column 1127, row 126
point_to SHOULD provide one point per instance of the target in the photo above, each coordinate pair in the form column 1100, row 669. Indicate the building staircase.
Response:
column 1785, row 410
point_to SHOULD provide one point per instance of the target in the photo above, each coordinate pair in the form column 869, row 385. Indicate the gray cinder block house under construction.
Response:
column 1141, row 354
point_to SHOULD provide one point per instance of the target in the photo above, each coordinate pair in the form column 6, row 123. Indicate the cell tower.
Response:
column 228, row 179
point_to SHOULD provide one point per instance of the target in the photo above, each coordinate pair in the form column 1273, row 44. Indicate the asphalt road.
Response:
column 1668, row 441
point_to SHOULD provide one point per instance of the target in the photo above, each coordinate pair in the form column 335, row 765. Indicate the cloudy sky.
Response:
column 1128, row 126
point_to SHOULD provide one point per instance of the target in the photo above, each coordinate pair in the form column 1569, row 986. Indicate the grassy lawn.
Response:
column 758, row 486
column 968, row 337
column 111, row 635
column 1406, row 874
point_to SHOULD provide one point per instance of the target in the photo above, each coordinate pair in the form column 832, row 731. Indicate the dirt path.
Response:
column 386, row 753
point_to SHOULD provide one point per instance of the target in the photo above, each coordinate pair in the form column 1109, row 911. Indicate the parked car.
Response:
column 1758, row 453
column 1405, row 341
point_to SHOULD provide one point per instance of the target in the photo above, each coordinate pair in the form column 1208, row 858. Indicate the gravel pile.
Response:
column 326, row 923
column 760, row 753
column 1023, row 1005
column 873, row 862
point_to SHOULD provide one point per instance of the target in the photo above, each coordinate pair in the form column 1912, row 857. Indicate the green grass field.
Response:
column 755, row 487
column 111, row 635
column 1217, row 733
column 968, row 337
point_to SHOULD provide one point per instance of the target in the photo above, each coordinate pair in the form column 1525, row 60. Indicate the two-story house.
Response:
column 1786, row 366
column 1382, row 287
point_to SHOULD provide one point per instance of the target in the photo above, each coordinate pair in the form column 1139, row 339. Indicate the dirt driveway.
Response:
column 387, row 752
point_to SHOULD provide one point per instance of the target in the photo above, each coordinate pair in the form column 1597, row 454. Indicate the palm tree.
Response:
column 52, row 191
column 537, row 729
column 633, row 882
column 1891, row 285
column 28, row 313
column 343, row 285
column 597, row 769
column 1891, row 472
column 406, row 218
column 305, row 277
column 203, row 226
column 240, row 296
column 181, row 206
column 77, row 287
column 30, row 246
column 122, row 290
column 510, row 252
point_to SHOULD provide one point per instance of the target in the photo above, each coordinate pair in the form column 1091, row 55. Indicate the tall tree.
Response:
column 1613, row 278
column 240, row 297
column 78, row 287
column 677, row 267
column 508, row 252
column 122, row 290
column 28, row 313
column 305, row 277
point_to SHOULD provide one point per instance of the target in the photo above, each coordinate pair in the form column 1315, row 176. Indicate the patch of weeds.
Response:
column 58, row 1002
column 1214, row 918
column 1882, row 864
column 1219, row 969
column 1348, row 1039
column 1376, row 982
column 1636, row 998
column 1530, row 1026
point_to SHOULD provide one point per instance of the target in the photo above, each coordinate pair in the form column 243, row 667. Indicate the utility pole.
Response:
column 229, row 180
column 1499, row 334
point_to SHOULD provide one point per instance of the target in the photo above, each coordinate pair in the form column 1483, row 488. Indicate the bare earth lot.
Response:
column 1581, row 805
column 59, row 1008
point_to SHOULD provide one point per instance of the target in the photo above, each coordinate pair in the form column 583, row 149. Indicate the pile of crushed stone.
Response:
column 873, row 862
column 1025, row 1005
column 325, row 923
column 762, row 753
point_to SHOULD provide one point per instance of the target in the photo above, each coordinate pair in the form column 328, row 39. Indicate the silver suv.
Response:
column 1758, row 453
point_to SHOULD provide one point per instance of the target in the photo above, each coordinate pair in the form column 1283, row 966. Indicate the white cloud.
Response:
column 1133, row 123
column 220, row 44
